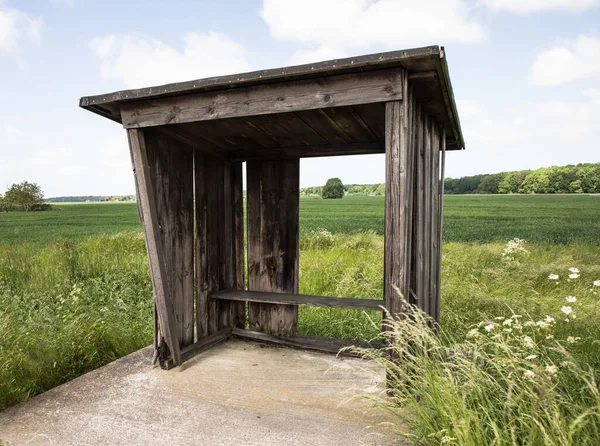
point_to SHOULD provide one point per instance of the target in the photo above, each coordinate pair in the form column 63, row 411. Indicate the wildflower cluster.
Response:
column 514, row 249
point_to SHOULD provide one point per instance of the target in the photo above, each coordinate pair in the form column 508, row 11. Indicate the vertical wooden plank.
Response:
column 420, row 214
column 410, row 173
column 440, row 224
column 239, row 311
column 397, row 216
column 202, row 287
column 435, row 202
column 273, row 202
column 425, row 300
column 160, row 284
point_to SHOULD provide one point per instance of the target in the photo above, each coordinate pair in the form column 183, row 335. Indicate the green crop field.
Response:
column 467, row 218
column 75, row 291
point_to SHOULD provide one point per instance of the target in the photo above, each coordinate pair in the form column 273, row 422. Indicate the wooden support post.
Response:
column 158, row 270
column 397, row 205
column 273, row 192
column 419, row 214
column 427, row 187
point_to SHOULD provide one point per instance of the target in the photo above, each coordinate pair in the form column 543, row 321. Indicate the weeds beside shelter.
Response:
column 188, row 142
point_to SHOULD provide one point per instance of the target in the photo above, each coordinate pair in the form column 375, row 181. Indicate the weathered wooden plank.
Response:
column 397, row 203
column 427, row 273
column 420, row 209
column 171, row 172
column 294, row 152
column 201, row 189
column 273, row 199
column 324, row 126
column 440, row 224
column 160, row 283
column 298, row 299
column 374, row 116
column 350, row 123
column 435, row 201
column 332, row 91
column 200, row 346
column 327, row 345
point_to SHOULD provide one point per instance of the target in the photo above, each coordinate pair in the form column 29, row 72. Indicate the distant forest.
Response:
column 571, row 179
column 90, row 198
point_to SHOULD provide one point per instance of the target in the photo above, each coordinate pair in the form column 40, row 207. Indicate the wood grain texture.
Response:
column 397, row 206
column 298, row 299
column 427, row 273
column 332, row 91
column 152, row 234
column 440, row 224
column 170, row 164
column 435, row 238
column 219, row 243
column 273, row 227
column 322, row 344
column 200, row 346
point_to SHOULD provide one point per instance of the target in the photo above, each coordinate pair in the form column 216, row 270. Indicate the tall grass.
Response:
column 68, row 308
column 511, row 382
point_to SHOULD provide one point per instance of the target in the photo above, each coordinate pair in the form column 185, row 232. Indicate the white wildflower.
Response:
column 553, row 276
column 528, row 341
column 489, row 327
column 550, row 337
column 571, row 299
column 573, row 276
column 529, row 324
column 573, row 339
column 596, row 282
column 529, row 374
column 474, row 333
column 542, row 324
column 549, row 319
column 508, row 330
column 531, row 357
column 507, row 322
column 566, row 309
column 574, row 270
column 552, row 370
column 499, row 318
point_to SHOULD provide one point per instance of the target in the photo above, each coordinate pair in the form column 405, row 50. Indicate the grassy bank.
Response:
column 66, row 308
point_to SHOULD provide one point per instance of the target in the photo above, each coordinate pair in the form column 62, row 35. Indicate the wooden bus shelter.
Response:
column 188, row 142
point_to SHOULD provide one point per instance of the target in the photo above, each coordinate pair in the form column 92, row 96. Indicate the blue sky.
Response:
column 526, row 75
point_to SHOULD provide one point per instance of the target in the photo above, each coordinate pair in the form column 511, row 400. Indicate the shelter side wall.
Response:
column 412, row 258
column 273, row 192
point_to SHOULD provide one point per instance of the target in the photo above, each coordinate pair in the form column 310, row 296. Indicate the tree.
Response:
column 25, row 196
column 333, row 188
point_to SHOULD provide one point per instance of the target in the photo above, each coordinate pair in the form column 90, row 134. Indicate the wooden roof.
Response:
column 244, row 133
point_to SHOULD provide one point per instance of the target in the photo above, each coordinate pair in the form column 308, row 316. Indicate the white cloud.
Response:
column 59, row 160
column 17, row 28
column 551, row 122
column 567, row 62
column 12, row 131
column 329, row 28
column 529, row 6
column 140, row 61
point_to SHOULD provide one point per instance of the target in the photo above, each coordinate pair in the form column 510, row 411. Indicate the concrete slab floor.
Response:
column 238, row 393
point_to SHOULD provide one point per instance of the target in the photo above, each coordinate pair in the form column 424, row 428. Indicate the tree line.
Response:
column 570, row 179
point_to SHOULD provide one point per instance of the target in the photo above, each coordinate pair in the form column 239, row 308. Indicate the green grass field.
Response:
column 467, row 218
column 75, row 291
